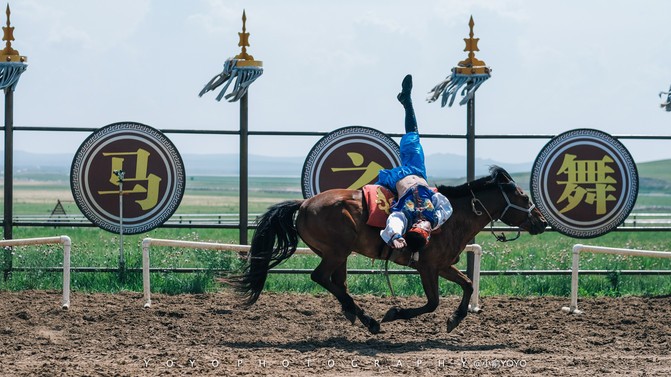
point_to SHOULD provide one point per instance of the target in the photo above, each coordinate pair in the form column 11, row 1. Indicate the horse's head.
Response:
column 518, row 209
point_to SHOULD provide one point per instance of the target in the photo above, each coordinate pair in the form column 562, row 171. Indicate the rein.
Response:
column 386, row 276
column 502, row 236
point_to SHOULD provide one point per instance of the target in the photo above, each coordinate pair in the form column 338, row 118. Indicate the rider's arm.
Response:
column 443, row 209
column 396, row 224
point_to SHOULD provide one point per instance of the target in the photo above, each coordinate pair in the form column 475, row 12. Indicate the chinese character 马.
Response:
column 152, row 181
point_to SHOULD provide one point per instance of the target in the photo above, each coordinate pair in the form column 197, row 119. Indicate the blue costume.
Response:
column 419, row 202
column 418, row 199
column 412, row 163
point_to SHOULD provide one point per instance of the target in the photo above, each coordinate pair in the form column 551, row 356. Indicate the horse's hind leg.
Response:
column 453, row 274
column 430, row 285
column 332, row 275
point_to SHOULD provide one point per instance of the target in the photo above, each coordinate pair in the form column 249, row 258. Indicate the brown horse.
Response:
column 333, row 225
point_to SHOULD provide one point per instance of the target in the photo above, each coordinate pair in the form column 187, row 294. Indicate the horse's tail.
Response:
column 274, row 240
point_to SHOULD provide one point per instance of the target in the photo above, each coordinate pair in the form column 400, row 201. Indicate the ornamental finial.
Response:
column 471, row 47
column 8, row 54
column 244, row 40
column 244, row 59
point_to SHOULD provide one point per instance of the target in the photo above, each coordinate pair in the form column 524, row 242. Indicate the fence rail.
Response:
column 187, row 219
column 638, row 221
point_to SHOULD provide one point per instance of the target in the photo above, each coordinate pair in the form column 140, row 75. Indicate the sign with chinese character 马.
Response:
column 349, row 157
column 584, row 182
column 152, row 183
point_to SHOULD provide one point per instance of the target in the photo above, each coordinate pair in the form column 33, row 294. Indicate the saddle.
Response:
column 377, row 202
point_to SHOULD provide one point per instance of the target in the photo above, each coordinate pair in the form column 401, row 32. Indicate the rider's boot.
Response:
column 406, row 101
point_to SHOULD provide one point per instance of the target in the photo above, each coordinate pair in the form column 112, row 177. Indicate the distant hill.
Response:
column 446, row 165
column 655, row 176
column 229, row 164
column 443, row 168
column 442, row 165
column 195, row 164
column 438, row 165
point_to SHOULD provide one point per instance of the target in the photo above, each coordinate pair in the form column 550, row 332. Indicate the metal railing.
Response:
column 177, row 220
column 635, row 221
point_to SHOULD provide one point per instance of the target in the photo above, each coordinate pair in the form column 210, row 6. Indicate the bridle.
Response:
column 509, row 205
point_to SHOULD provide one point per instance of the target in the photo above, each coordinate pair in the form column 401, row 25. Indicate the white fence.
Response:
column 578, row 248
column 474, row 248
column 67, row 244
column 147, row 242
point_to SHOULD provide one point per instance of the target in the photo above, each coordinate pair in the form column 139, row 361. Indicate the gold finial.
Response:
column 244, row 40
column 8, row 54
column 472, row 64
column 244, row 57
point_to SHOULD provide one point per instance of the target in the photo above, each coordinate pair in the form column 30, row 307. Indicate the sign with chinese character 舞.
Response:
column 349, row 157
column 585, row 183
column 152, row 182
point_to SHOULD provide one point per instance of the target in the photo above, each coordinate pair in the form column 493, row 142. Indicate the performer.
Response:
column 418, row 210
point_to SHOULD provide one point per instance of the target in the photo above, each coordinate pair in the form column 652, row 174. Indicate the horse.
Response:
column 333, row 224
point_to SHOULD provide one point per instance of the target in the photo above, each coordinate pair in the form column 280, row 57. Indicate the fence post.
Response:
column 244, row 69
column 470, row 168
column 12, row 65
column 9, row 179
column 244, row 164
column 122, row 259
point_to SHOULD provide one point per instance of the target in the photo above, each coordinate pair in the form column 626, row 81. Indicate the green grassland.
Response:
column 92, row 247
column 549, row 251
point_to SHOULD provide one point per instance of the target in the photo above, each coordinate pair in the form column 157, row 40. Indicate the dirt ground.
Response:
column 298, row 335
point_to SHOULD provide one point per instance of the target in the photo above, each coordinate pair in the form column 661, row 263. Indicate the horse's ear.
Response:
column 501, row 175
column 507, row 176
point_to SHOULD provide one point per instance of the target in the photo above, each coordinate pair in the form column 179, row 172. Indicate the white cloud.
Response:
column 217, row 17
column 91, row 25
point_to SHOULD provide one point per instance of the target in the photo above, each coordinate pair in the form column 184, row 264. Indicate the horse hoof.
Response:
column 391, row 315
column 374, row 327
column 452, row 324
column 350, row 317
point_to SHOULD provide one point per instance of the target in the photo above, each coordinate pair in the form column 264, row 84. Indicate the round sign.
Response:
column 349, row 157
column 584, row 182
column 128, row 163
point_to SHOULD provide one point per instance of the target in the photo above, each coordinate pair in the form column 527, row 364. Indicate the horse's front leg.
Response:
column 453, row 274
column 333, row 276
column 430, row 283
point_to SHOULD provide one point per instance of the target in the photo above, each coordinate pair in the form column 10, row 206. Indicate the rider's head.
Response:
column 418, row 236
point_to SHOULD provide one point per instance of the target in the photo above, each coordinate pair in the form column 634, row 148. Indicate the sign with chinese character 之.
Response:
column 349, row 157
column 584, row 182
column 152, row 180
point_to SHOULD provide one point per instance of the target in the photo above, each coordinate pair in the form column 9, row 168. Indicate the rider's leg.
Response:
column 406, row 101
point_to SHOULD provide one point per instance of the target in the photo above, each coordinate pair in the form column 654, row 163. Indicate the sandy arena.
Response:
column 298, row 335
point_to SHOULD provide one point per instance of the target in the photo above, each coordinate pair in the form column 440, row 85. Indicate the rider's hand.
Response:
column 398, row 243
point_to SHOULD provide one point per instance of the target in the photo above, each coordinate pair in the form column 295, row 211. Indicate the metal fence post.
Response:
column 9, row 179
column 244, row 164
column 470, row 168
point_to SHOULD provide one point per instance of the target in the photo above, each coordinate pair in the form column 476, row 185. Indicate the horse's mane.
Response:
column 495, row 175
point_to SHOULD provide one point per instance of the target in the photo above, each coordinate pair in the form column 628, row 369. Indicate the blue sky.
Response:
column 557, row 65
